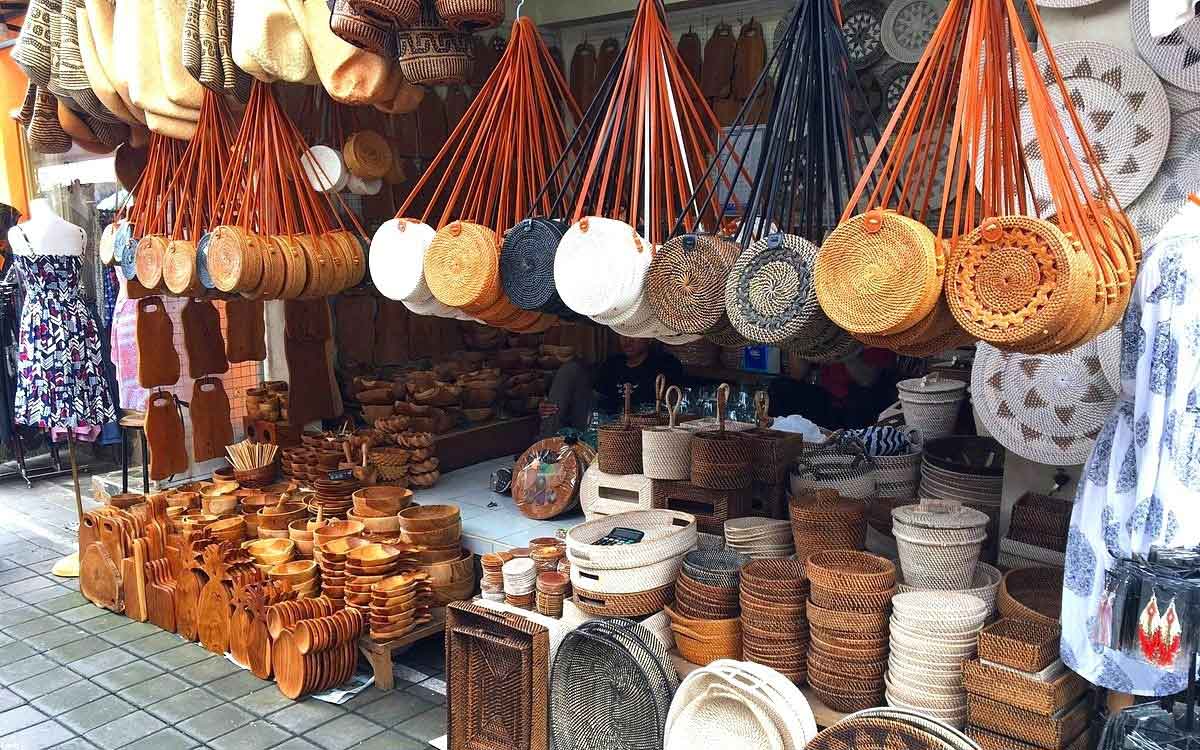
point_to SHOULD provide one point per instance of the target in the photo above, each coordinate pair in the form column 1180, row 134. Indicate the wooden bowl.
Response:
column 442, row 537
column 336, row 530
column 218, row 487
column 381, row 501
column 295, row 572
column 271, row 551
column 224, row 474
column 379, row 525
column 300, row 530
column 429, row 517
column 451, row 572
column 229, row 528
column 279, row 516
column 304, row 548
column 445, row 553
column 128, row 500
column 374, row 556
column 272, row 533
column 337, row 549
column 198, row 520
column 218, row 504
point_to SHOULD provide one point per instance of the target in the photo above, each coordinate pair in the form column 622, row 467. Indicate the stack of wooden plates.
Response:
column 398, row 604
column 331, row 558
column 370, row 564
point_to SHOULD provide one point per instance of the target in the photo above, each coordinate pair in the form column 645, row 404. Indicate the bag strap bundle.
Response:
column 150, row 217
column 1032, row 274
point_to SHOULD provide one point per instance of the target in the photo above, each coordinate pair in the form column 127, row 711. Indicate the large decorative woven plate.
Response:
column 907, row 27
column 867, row 732
column 862, row 26
column 892, row 82
column 1047, row 408
column 1176, row 56
column 1178, row 176
column 1122, row 106
column 1182, row 101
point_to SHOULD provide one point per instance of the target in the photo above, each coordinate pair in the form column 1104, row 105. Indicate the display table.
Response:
column 379, row 653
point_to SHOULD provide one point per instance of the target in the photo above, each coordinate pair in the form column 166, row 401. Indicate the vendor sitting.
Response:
column 574, row 393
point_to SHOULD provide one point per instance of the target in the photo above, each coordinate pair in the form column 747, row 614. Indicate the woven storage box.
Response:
column 931, row 404
column 499, row 667
column 1016, row 689
column 711, row 508
column 667, row 451
column 619, row 446
column 992, row 741
column 1020, row 644
column 603, row 494
column 939, row 543
column 1047, row 732
column 1033, row 594
column 771, row 453
column 1043, row 517
column 769, row 500
column 650, row 564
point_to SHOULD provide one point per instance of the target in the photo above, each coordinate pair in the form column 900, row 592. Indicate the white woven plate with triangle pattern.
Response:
column 1178, row 176
column 1176, row 56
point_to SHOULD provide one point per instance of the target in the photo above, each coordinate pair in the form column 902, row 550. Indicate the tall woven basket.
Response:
column 433, row 55
column 667, row 451
column 931, row 404
column 720, row 460
column 771, row 451
column 619, row 449
column 657, row 416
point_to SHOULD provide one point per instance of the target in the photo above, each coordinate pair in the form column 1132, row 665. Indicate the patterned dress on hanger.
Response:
column 1141, row 485
column 60, row 377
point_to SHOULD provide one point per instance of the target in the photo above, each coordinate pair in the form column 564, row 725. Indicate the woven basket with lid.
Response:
column 667, row 451
column 939, row 543
column 719, row 459
column 931, row 404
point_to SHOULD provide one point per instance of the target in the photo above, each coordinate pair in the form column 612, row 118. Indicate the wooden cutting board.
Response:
column 202, row 338
column 100, row 579
column 212, row 429
column 158, row 362
column 246, row 331
column 165, row 436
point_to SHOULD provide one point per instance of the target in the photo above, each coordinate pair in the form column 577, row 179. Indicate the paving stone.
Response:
column 57, row 637
column 215, row 722
column 9, row 603
column 22, row 612
column 76, row 650
column 76, row 743
column 343, row 733
column 16, row 719
column 63, row 603
column 165, row 739
column 155, row 690
column 303, row 715
column 185, row 705
column 180, row 656
column 38, row 737
column 44, row 595
column 257, row 735
column 19, row 670
column 27, row 584
column 69, row 698
column 131, row 632
column 134, row 673
column 45, row 682
column 394, row 708
column 104, row 622
column 34, row 627
column 9, row 699
column 125, row 731
column 425, row 727
column 15, row 652
column 160, row 640
column 427, row 691
column 14, row 573
column 265, row 701
column 391, row 740
column 95, row 713
column 296, row 743
column 237, row 685
column 203, row 672
column 34, row 554
column 102, row 662
column 81, row 612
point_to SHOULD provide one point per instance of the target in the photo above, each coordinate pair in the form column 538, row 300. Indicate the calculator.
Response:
column 621, row 535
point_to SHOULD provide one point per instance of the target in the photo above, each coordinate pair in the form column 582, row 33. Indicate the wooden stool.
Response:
column 134, row 420
column 379, row 655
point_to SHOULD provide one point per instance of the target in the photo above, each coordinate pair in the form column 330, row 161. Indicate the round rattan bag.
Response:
column 149, row 260
column 433, row 55
column 769, row 293
column 878, row 273
column 471, row 15
column 527, row 264
column 462, row 266
column 179, row 268
column 600, row 267
column 397, row 260
column 685, row 283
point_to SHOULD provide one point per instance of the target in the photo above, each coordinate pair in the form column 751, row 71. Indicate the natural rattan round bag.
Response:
column 462, row 266
column 878, row 273
column 769, row 294
column 149, row 260
column 179, row 268
column 685, row 283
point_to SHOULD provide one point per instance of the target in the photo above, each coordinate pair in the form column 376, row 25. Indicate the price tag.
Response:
column 341, row 475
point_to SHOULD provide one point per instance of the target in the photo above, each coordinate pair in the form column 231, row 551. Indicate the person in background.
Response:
column 575, row 392
column 836, row 395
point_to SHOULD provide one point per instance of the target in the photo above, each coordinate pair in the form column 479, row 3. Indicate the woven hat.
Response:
column 1172, row 56
column 1046, row 408
column 600, row 266
column 907, row 27
column 397, row 260
column 769, row 295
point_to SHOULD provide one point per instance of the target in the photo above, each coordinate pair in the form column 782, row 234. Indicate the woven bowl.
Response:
column 850, row 571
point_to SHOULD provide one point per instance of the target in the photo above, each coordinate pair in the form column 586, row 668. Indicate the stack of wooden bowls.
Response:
column 301, row 532
column 273, row 520
column 300, row 575
column 331, row 558
column 850, row 598
column 333, row 497
column 370, row 564
column 774, row 622
column 330, row 530
column 232, row 529
column 437, row 528
column 399, row 603
column 268, row 553
column 217, row 498
column 377, row 509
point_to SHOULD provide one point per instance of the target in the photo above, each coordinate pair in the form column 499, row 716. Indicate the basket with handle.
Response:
column 619, row 449
column 771, row 451
column 667, row 451
column 656, row 417
column 720, row 461
column 840, row 465
column 650, row 564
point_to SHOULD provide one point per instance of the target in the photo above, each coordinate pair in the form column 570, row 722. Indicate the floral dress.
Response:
column 1141, row 485
column 60, row 375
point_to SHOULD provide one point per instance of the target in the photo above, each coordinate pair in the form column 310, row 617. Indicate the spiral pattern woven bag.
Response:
column 462, row 267
column 720, row 460
column 769, row 294
column 527, row 264
column 685, row 283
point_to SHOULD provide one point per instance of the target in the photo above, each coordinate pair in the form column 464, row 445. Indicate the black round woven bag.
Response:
column 527, row 264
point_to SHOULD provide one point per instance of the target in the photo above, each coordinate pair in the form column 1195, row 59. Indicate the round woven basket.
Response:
column 391, row 12
column 619, row 445
column 471, row 15
column 769, row 294
column 850, row 570
column 685, row 283
column 149, row 260
column 985, row 585
column 527, row 264
column 432, row 55
column 667, row 451
column 179, row 268
column 878, row 273
column 939, row 543
column 653, row 562
column 1033, row 594
column 367, row 154
column 462, row 266
column 720, row 460
column 362, row 30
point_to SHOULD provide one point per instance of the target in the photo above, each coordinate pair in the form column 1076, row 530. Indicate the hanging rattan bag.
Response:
column 600, row 267
column 149, row 260
column 720, row 461
column 362, row 30
column 667, row 451
column 389, row 12
column 462, row 267
column 397, row 260
column 769, row 294
column 685, row 283
column 527, row 264
column 431, row 54
column 471, row 15
column 619, row 448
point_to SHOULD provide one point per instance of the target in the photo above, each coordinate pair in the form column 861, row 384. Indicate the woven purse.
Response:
column 389, row 12
column 619, row 448
column 685, row 283
column 471, row 15
column 527, row 264
column 362, row 30
column 667, row 451
column 720, row 461
column 462, row 266
column 433, row 55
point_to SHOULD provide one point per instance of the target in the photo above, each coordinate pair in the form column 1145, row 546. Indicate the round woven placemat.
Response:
column 1178, row 176
column 1173, row 56
column 862, row 26
column 908, row 26
column 685, row 284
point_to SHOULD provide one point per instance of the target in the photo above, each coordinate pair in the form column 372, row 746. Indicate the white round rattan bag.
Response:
column 600, row 267
column 397, row 260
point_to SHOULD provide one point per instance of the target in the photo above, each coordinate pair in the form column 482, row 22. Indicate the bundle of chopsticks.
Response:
column 248, row 456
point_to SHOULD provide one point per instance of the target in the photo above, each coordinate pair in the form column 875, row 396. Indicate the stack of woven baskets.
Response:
column 849, row 599
column 932, row 632
column 939, row 544
column 774, row 619
column 629, row 580
column 705, row 615
column 1037, row 532
column 760, row 538
column 1019, row 693
column 823, row 520
column 836, row 466
column 967, row 470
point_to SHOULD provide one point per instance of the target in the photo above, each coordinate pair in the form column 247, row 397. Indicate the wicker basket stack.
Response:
column 932, row 632
column 939, row 543
column 967, row 470
column 774, row 619
column 850, row 595
column 1037, row 532
column 760, row 538
column 985, row 586
column 1020, row 695
column 823, row 520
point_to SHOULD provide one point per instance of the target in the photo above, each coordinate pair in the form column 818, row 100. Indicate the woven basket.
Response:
column 527, row 264
column 432, row 55
column 850, row 571
column 720, row 461
column 362, row 30
column 392, row 12
column 667, row 451
column 1020, row 644
column 603, row 494
column 1050, row 733
column 898, row 476
column 638, row 604
column 651, row 563
column 619, row 446
column 939, row 543
column 873, row 603
column 1033, row 594
column 462, row 266
column 984, row 586
column 931, row 405
column 992, row 741
column 850, row 622
column 1014, row 689
column 770, row 296
column 685, row 284
column 839, row 465
column 824, row 521
column 471, row 15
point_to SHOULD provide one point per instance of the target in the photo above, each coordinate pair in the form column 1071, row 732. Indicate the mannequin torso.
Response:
column 46, row 233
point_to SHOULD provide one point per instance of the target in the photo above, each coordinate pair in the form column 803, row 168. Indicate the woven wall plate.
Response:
column 1173, row 56
column 397, row 260
column 1122, row 106
column 1178, row 176
column 770, row 296
column 1047, row 408
column 685, row 283
column 893, row 80
column 862, row 26
column 600, row 267
column 907, row 27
